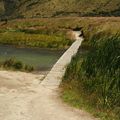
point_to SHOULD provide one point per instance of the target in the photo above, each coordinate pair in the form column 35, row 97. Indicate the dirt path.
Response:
column 16, row 93
column 24, row 97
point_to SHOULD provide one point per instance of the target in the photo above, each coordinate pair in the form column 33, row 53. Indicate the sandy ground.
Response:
column 22, row 97
column 16, row 93
column 11, row 79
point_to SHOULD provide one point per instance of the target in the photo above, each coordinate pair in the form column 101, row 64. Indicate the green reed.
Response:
column 98, row 73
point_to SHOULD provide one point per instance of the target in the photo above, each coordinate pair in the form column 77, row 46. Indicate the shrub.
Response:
column 98, row 74
column 105, row 69
column 29, row 68
column 18, row 65
column 14, row 64
column 8, row 63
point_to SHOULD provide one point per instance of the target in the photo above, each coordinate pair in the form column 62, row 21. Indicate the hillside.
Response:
column 57, row 8
column 1, row 8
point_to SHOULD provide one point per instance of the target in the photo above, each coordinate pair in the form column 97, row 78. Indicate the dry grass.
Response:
column 53, row 8
column 91, row 25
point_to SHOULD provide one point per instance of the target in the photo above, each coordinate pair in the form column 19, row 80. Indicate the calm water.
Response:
column 41, row 59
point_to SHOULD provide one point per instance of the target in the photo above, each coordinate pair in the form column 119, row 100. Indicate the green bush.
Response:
column 32, row 38
column 18, row 65
column 14, row 64
column 29, row 68
column 98, row 74
column 8, row 63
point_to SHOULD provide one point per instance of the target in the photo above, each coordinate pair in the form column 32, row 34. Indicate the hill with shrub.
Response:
column 58, row 8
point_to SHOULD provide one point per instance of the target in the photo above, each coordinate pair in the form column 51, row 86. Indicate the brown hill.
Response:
column 58, row 8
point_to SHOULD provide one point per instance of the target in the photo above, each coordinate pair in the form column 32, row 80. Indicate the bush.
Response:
column 18, row 65
column 29, row 68
column 98, row 74
column 105, row 69
column 14, row 64
column 8, row 63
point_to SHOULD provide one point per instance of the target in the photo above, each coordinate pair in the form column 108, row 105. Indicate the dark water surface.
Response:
column 41, row 59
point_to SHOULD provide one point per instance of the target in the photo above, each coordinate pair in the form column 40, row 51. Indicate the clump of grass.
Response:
column 98, row 76
column 102, row 68
column 14, row 64
column 28, row 68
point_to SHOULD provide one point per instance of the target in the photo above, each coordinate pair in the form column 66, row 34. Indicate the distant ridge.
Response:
column 59, row 8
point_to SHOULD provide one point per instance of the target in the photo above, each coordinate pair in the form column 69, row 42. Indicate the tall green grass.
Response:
column 98, row 75
column 26, row 38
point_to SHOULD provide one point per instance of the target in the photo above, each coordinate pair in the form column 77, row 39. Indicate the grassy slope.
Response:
column 49, row 8
column 33, row 33
column 91, row 25
column 55, row 29
column 72, row 89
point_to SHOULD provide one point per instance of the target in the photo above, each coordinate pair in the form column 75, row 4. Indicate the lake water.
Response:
column 41, row 59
